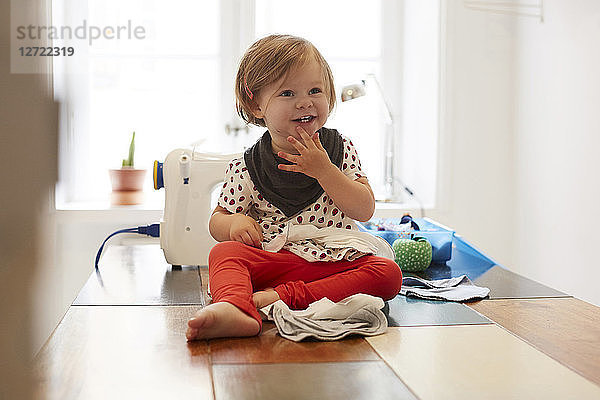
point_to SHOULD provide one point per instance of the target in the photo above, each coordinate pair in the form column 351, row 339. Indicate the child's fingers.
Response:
column 290, row 157
column 242, row 237
column 247, row 239
column 291, row 168
column 297, row 144
column 317, row 141
column 258, row 231
column 191, row 334
column 250, row 236
column 255, row 236
column 308, row 141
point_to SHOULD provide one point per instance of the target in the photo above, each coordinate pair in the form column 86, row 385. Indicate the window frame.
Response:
column 237, row 29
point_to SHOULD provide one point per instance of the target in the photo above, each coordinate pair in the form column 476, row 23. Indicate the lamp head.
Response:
column 350, row 92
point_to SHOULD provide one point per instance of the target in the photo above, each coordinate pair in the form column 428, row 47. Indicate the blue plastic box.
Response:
column 439, row 237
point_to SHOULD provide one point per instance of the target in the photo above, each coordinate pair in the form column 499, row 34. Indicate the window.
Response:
column 175, row 87
column 160, row 87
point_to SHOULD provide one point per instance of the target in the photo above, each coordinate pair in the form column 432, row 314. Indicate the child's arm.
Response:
column 354, row 198
column 224, row 225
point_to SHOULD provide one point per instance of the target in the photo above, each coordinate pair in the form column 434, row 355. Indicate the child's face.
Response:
column 297, row 99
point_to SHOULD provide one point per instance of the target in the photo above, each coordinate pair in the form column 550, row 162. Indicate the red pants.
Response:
column 237, row 270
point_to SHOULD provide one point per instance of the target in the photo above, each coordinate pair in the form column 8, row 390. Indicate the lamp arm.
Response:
column 385, row 102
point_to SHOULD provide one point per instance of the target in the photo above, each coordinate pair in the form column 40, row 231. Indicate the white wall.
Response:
column 475, row 184
column 520, row 138
column 557, row 131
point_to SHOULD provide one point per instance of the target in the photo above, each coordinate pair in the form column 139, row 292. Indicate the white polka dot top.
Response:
column 239, row 195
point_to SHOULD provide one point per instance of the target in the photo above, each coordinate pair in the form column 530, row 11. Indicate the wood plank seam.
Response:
column 390, row 367
column 527, row 298
column 210, row 369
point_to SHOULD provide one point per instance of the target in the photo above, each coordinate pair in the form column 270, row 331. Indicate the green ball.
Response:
column 412, row 255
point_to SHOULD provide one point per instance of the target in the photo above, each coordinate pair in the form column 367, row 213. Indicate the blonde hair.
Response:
column 269, row 59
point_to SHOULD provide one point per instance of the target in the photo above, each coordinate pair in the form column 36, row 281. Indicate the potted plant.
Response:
column 128, row 181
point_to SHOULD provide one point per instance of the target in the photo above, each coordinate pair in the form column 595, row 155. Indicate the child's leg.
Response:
column 233, row 311
column 236, row 270
column 299, row 282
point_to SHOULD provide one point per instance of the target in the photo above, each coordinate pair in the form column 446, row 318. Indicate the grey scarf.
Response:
column 289, row 191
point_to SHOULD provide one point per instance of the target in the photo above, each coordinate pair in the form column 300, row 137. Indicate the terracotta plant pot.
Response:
column 127, row 185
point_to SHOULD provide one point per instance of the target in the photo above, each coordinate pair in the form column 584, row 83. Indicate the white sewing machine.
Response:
column 189, row 177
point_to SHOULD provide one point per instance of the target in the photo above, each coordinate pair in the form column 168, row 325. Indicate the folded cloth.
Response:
column 454, row 289
column 334, row 238
column 359, row 314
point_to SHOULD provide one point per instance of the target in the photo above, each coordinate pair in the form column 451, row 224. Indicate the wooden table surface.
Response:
column 112, row 344
column 566, row 329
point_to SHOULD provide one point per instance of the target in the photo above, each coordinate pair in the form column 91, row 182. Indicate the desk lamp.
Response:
column 356, row 90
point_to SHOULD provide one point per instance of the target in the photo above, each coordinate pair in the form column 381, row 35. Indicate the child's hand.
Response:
column 246, row 230
column 313, row 159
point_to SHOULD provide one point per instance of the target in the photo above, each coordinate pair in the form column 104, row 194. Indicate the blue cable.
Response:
column 149, row 230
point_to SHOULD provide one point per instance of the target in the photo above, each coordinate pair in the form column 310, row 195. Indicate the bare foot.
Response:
column 221, row 320
column 265, row 297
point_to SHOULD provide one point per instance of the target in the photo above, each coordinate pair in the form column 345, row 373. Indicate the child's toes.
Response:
column 191, row 333
column 197, row 321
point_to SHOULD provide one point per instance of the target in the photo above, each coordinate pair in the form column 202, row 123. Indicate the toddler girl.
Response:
column 297, row 174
